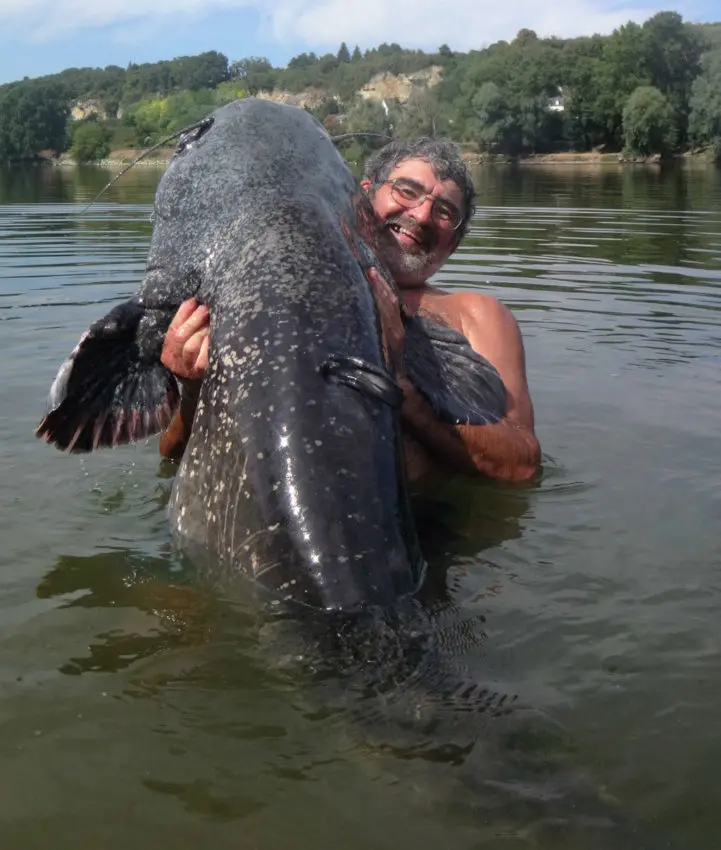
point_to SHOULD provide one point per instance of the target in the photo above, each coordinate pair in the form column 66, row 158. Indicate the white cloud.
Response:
column 322, row 24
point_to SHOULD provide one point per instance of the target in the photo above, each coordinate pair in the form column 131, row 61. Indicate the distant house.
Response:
column 557, row 103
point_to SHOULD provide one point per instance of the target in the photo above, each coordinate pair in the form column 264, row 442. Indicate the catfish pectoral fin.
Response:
column 460, row 385
column 111, row 390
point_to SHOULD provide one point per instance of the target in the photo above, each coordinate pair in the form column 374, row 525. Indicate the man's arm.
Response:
column 509, row 449
column 185, row 353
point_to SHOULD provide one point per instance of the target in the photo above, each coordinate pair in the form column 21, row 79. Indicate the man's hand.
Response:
column 185, row 350
column 185, row 353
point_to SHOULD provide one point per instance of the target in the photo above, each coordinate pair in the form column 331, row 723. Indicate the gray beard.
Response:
column 406, row 265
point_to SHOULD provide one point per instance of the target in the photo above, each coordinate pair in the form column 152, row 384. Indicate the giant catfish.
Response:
column 294, row 472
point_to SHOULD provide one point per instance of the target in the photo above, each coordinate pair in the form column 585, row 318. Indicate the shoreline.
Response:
column 586, row 158
column 121, row 158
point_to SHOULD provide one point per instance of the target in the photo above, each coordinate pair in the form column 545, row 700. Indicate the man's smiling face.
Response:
column 422, row 237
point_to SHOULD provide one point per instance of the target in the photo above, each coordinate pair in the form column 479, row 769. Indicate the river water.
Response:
column 136, row 709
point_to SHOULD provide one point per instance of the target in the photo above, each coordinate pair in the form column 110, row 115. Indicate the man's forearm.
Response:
column 501, row 450
column 175, row 438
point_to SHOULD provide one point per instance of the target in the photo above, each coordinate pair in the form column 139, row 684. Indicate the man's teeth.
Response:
column 398, row 229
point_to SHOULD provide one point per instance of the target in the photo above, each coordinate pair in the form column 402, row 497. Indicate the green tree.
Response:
column 357, row 56
column 648, row 126
column 33, row 118
column 254, row 73
column 492, row 126
column 705, row 105
column 621, row 70
column 204, row 71
column 90, row 142
column 525, row 37
column 419, row 116
column 673, row 57
column 343, row 54
column 303, row 60
column 366, row 116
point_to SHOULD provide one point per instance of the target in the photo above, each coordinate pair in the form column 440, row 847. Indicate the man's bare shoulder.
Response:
column 469, row 312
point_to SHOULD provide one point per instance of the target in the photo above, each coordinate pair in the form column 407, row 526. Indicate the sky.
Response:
column 40, row 37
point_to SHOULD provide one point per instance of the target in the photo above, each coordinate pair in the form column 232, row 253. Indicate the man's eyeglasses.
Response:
column 410, row 194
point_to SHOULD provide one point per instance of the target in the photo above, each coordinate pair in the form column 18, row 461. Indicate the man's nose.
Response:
column 423, row 213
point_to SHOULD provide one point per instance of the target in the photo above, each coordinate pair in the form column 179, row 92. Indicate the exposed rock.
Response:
column 383, row 86
column 386, row 86
column 86, row 108
column 310, row 98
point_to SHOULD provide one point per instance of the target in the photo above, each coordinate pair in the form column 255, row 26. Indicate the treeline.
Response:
column 645, row 89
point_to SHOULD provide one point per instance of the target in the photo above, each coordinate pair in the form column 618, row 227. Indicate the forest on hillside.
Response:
column 644, row 89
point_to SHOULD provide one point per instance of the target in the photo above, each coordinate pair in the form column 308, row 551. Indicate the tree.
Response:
column 357, row 55
column 648, row 123
column 33, row 118
column 90, row 142
column 303, row 60
column 673, row 57
column 419, row 116
column 366, row 116
column 621, row 70
column 705, row 105
column 491, row 126
column 254, row 73
column 204, row 71
column 525, row 37
column 343, row 54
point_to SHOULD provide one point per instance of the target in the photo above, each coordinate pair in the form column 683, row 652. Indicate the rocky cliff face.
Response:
column 383, row 86
column 310, row 98
column 86, row 108
column 399, row 87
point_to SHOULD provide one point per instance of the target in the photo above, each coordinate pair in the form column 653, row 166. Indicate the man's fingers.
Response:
column 185, row 310
column 185, row 349
column 197, row 320
column 202, row 362
column 195, row 355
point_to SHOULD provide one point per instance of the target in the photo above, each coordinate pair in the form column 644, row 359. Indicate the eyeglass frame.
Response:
column 435, row 201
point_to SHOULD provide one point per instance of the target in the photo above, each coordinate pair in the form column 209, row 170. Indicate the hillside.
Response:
column 526, row 96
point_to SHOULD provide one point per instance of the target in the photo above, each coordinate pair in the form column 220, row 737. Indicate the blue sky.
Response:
column 44, row 36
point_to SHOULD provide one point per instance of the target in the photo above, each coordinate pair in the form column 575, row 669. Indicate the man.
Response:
column 423, row 193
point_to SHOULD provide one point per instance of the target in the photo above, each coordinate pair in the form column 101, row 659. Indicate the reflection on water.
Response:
column 563, row 675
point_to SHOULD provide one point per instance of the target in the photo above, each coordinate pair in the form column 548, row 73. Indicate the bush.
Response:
column 90, row 142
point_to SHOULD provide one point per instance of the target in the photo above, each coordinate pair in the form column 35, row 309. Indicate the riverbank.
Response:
column 566, row 158
column 586, row 158
column 120, row 158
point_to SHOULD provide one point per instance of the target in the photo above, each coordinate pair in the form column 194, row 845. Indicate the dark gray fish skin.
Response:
column 461, row 386
column 290, row 474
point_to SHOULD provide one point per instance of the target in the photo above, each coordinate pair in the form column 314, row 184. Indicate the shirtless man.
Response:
column 423, row 193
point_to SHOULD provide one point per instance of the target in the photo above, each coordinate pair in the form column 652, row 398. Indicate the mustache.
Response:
column 424, row 233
